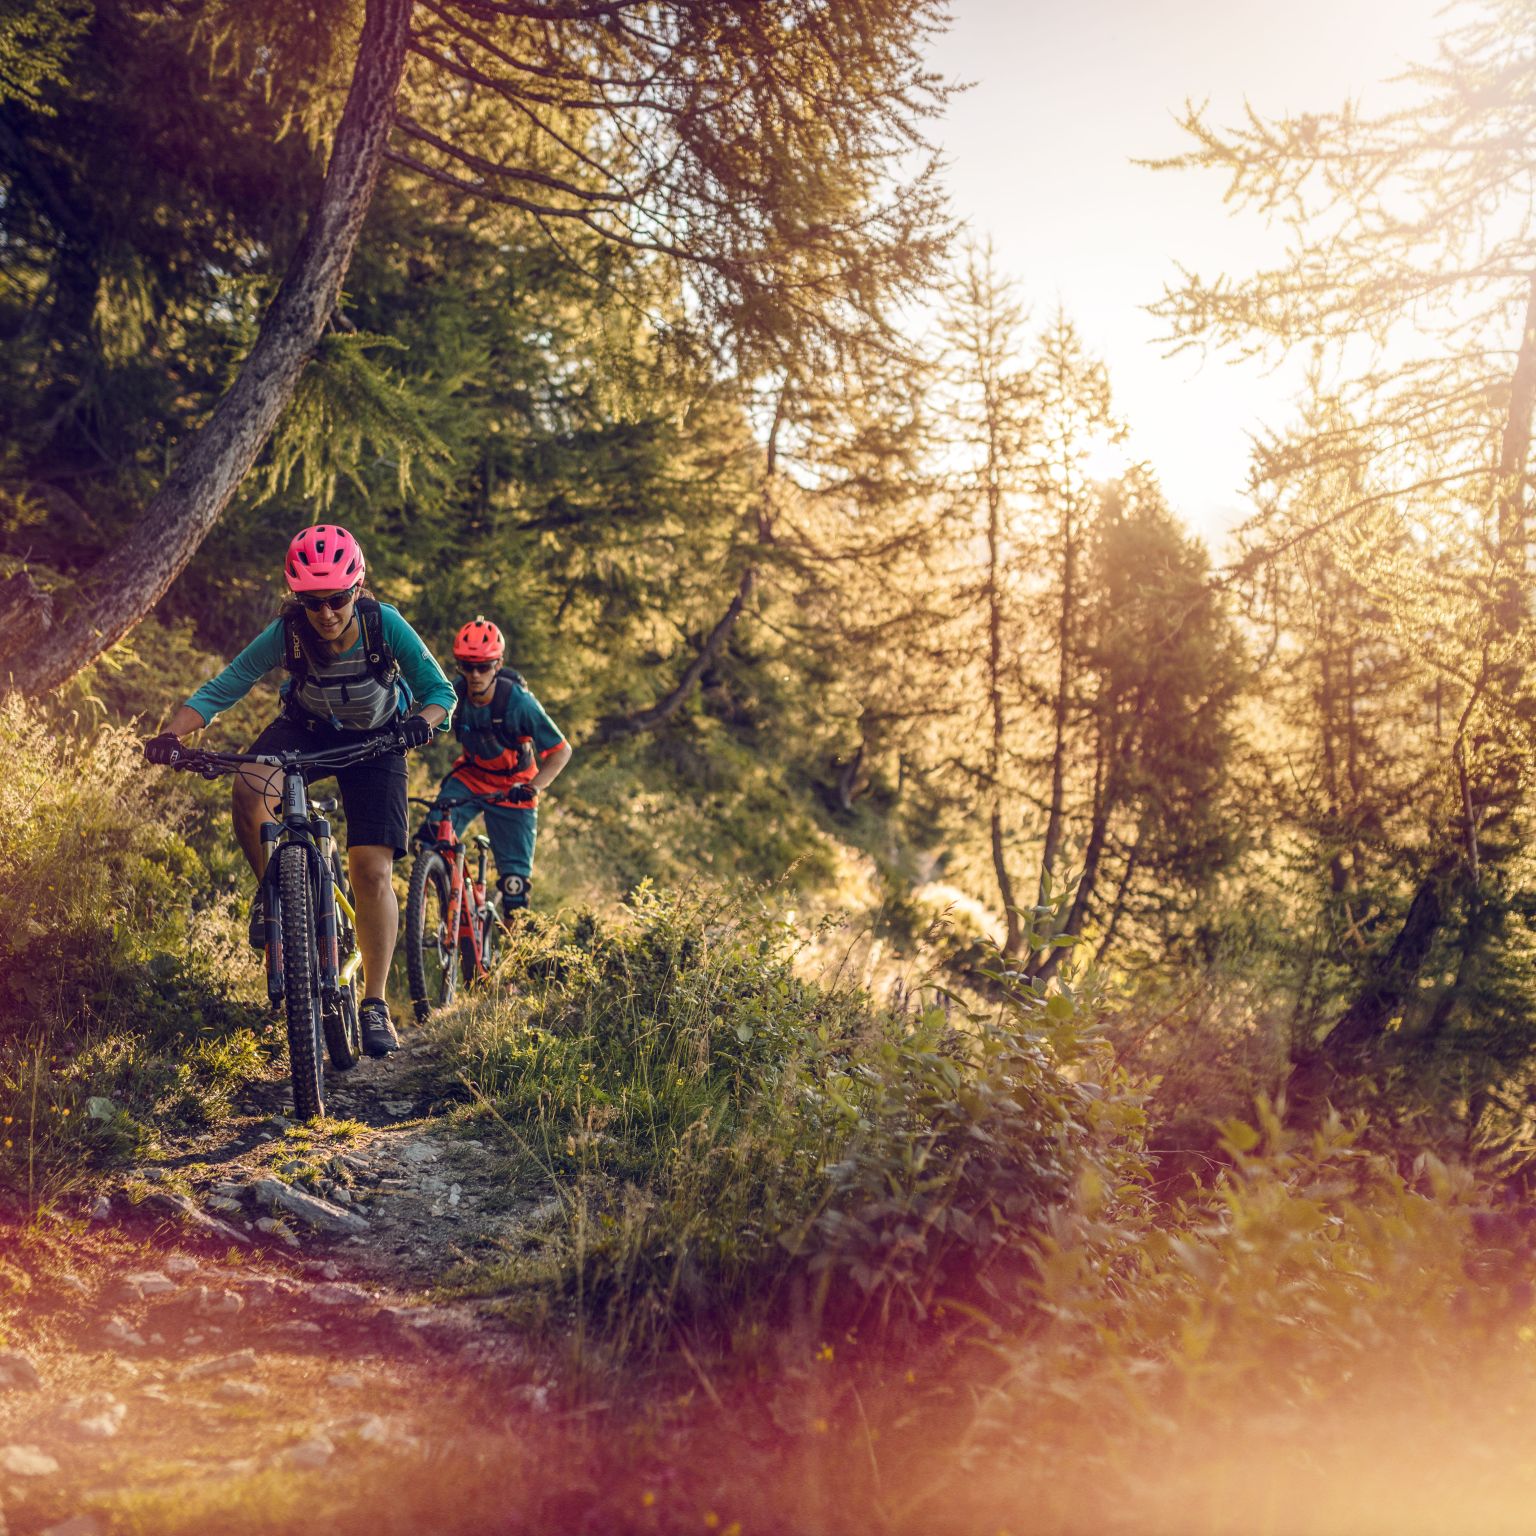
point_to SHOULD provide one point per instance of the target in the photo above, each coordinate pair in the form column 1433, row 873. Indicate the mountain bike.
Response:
column 451, row 930
column 311, row 924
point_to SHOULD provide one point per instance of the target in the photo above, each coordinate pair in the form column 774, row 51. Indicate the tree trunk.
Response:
column 121, row 589
column 1346, row 1049
column 1059, row 708
column 616, row 728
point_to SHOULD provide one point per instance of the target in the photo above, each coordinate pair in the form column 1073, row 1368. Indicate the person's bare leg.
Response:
column 256, row 799
column 378, row 913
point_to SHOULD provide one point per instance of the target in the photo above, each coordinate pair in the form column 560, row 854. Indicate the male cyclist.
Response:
column 355, row 668
column 512, row 750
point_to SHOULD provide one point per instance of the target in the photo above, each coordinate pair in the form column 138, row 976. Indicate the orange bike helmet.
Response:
column 479, row 640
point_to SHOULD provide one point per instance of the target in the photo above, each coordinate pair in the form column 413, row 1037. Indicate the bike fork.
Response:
column 272, row 906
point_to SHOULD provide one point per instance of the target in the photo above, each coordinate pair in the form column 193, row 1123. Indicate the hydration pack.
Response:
column 377, row 670
column 508, row 679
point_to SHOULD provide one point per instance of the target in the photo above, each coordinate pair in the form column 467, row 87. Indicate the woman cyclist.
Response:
column 355, row 668
column 512, row 750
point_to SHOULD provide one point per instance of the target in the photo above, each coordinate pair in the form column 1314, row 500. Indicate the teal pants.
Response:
column 512, row 829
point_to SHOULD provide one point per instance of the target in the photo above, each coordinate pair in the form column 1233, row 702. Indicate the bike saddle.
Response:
column 481, row 840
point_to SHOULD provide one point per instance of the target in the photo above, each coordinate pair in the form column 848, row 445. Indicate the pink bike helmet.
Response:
column 324, row 558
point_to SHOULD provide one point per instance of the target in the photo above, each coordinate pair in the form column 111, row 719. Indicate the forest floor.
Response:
column 250, row 1318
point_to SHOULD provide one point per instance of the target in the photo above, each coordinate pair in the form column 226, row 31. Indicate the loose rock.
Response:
column 147, row 1283
column 116, row 1331
column 17, row 1372
column 225, row 1365
column 277, row 1229
column 239, row 1391
column 26, row 1461
column 309, row 1208
column 193, row 1214
column 329, row 1295
column 309, row 1454
column 76, row 1525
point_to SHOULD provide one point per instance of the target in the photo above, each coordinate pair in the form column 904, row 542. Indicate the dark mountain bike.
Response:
column 451, row 930
column 312, row 953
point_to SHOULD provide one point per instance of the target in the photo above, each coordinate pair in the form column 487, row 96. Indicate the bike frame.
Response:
column 303, row 823
column 466, row 899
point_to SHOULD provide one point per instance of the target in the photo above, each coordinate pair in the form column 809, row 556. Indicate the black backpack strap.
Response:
column 381, row 660
column 295, row 656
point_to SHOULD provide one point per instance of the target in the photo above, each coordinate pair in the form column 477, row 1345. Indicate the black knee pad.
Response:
column 514, row 893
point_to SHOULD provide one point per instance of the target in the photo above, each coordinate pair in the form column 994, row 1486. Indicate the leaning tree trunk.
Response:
column 37, row 655
column 654, row 716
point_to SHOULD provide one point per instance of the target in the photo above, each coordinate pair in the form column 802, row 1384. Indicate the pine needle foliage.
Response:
column 348, row 416
column 36, row 39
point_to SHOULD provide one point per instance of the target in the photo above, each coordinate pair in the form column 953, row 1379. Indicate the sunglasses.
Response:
column 335, row 602
column 477, row 666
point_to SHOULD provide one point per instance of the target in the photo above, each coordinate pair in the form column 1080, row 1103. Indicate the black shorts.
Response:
column 372, row 793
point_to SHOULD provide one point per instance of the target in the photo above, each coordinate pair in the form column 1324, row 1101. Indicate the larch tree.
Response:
column 1409, row 278
column 761, row 146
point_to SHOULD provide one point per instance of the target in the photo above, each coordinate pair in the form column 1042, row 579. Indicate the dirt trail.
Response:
column 259, row 1306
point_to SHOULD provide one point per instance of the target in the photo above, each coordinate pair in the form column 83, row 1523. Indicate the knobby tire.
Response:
column 301, row 983
column 430, row 885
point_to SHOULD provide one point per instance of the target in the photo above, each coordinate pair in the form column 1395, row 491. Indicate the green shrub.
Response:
column 118, row 961
column 726, row 1135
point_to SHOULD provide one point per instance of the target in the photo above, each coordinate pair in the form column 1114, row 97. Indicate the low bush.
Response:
column 120, row 963
column 731, row 1141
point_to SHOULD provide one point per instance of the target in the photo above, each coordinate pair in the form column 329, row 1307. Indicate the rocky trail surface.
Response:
column 261, row 1309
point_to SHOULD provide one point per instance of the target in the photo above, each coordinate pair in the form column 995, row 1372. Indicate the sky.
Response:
column 1065, row 95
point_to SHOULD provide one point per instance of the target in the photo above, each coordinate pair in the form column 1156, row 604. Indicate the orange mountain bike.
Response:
column 451, row 929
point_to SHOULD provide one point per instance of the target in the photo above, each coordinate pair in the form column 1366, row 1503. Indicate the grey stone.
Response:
column 225, row 1365
column 102, row 1210
column 323, row 1269
column 18, row 1372
column 297, row 1325
column 116, row 1331
column 100, row 1426
column 419, row 1152
column 331, row 1295
column 193, row 1214
column 220, row 1303
column 366, row 1426
column 179, row 1264
column 227, row 1187
column 277, row 1229
column 309, row 1208
column 26, row 1461
column 309, row 1454
column 148, row 1282
column 258, row 1290
column 239, row 1391
column 76, row 1284
column 76, row 1525
column 224, row 1204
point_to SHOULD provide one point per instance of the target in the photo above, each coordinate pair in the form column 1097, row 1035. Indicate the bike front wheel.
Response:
column 431, row 948
column 301, row 982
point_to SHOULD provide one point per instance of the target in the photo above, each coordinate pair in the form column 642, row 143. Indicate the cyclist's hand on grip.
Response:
column 164, row 749
column 415, row 731
column 522, row 794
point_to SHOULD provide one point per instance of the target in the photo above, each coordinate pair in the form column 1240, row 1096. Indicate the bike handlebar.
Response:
column 480, row 802
column 213, row 765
